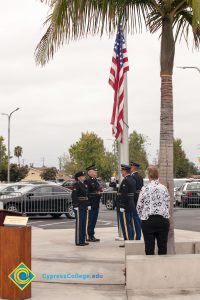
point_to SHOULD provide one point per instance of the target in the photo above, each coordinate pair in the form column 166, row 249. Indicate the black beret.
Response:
column 78, row 174
column 125, row 167
column 92, row 167
column 132, row 163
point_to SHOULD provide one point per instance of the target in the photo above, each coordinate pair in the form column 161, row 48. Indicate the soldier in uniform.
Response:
column 94, row 195
column 81, row 207
column 139, row 184
column 126, row 193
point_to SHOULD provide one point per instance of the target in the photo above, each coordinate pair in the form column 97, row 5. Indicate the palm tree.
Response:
column 176, row 19
column 18, row 153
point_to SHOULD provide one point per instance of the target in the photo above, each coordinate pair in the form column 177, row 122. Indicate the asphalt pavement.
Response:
column 185, row 219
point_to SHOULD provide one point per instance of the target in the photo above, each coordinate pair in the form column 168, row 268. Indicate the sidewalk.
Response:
column 54, row 253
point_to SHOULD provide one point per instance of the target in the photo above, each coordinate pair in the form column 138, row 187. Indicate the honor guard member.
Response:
column 81, row 205
column 139, row 184
column 126, row 193
column 94, row 195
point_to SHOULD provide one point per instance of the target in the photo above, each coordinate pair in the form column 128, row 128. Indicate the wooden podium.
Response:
column 15, row 247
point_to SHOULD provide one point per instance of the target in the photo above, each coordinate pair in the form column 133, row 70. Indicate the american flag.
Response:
column 118, row 68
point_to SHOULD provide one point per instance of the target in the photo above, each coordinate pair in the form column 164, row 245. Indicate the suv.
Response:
column 188, row 195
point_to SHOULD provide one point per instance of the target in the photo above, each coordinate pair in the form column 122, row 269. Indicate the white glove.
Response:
column 122, row 209
column 89, row 207
column 75, row 208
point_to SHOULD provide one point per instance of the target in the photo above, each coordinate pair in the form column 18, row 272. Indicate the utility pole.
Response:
column 60, row 163
column 9, row 117
column 43, row 160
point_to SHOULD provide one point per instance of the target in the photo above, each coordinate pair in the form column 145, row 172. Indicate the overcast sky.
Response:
column 71, row 94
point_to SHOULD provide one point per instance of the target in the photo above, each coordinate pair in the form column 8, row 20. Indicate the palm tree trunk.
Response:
column 19, row 161
column 166, row 119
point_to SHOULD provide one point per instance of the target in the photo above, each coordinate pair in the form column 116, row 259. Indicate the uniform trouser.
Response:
column 126, row 225
column 136, row 224
column 80, row 231
column 93, row 216
column 155, row 228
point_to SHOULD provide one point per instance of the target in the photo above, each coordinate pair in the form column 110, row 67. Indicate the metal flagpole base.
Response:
column 118, row 238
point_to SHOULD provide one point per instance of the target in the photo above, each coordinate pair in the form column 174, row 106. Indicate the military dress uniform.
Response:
column 126, row 204
column 94, row 195
column 80, row 203
column 139, row 184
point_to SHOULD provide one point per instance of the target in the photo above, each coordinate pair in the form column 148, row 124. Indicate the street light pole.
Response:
column 9, row 117
column 190, row 67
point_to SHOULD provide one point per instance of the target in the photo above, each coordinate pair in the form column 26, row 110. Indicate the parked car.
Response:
column 178, row 182
column 40, row 199
column 12, row 187
column 188, row 195
column 109, row 197
column 68, row 184
column 37, row 182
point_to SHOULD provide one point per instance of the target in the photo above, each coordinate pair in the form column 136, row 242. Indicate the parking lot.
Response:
column 185, row 219
column 106, row 219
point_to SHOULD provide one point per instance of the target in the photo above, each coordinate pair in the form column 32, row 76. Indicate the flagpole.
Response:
column 118, row 81
column 124, row 146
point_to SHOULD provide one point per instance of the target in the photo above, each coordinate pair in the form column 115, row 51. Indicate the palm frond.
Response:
column 183, row 25
column 154, row 21
column 75, row 19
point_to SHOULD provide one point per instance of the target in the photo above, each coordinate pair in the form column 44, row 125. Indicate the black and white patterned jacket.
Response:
column 153, row 200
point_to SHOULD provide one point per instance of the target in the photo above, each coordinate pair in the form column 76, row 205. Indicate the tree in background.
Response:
column 89, row 150
column 193, row 169
column 108, row 166
column 3, row 160
column 18, row 153
column 49, row 174
column 137, row 151
column 182, row 166
column 17, row 173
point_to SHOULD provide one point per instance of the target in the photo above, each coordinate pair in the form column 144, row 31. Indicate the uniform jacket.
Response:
column 80, row 195
column 127, row 190
column 94, row 190
column 139, row 184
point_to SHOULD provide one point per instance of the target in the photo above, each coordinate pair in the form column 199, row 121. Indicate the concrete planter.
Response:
column 163, row 272
column 137, row 248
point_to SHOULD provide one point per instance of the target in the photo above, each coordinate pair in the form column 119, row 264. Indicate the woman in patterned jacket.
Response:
column 153, row 210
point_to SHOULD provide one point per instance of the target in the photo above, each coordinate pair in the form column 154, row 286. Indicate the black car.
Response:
column 41, row 200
